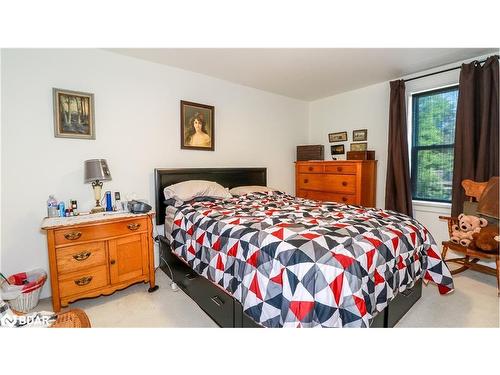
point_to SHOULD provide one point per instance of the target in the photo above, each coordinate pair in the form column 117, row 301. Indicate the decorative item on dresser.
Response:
column 345, row 181
column 310, row 152
column 96, row 171
column 98, row 254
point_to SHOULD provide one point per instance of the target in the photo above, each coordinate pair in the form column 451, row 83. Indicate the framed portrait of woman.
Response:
column 197, row 126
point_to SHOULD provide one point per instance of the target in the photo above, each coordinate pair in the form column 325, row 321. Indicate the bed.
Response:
column 273, row 260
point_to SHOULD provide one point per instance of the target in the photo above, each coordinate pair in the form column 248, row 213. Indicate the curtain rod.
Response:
column 441, row 71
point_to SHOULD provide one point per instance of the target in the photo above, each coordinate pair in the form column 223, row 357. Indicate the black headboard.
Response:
column 227, row 177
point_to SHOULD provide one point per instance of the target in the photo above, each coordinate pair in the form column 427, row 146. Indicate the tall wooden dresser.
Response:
column 98, row 254
column 344, row 181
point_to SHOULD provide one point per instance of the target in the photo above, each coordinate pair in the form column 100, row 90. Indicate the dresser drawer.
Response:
column 341, row 168
column 99, row 231
column 311, row 168
column 329, row 197
column 83, row 281
column 335, row 183
column 78, row 257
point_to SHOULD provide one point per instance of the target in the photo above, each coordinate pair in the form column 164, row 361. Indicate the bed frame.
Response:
column 225, row 310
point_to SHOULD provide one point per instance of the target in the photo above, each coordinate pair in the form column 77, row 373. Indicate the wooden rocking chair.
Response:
column 473, row 192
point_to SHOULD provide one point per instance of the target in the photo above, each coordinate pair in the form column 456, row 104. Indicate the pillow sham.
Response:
column 241, row 190
column 188, row 190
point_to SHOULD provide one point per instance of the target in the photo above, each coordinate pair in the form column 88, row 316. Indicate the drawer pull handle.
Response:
column 407, row 292
column 339, row 169
column 217, row 301
column 112, row 261
column 344, row 183
column 344, row 199
column 83, row 281
column 133, row 226
column 190, row 276
column 306, row 181
column 73, row 235
column 310, row 169
column 82, row 256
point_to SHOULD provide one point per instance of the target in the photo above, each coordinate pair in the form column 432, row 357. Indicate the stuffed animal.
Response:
column 468, row 223
column 486, row 239
column 460, row 237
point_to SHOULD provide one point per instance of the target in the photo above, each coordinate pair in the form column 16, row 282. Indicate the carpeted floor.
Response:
column 474, row 303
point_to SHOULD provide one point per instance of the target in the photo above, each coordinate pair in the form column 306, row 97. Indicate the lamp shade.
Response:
column 96, row 169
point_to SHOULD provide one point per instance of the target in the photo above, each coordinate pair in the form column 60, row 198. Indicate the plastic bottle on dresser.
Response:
column 61, row 209
column 52, row 209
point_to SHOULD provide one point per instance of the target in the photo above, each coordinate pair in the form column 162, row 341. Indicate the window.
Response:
column 433, row 137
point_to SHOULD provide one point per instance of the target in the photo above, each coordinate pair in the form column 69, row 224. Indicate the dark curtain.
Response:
column 476, row 130
column 398, row 184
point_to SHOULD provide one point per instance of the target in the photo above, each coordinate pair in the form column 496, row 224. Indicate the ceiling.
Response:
column 305, row 73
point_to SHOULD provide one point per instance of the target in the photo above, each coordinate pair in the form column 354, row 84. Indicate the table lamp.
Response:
column 96, row 171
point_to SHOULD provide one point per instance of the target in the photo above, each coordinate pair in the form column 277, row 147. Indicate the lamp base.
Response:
column 96, row 210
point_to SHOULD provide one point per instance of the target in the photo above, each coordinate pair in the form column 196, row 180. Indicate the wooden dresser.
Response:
column 344, row 181
column 98, row 254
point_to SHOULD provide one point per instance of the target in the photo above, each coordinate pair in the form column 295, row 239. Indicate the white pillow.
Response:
column 241, row 190
column 188, row 190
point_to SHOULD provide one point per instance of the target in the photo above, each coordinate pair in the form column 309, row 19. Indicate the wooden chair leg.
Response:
column 498, row 278
column 443, row 253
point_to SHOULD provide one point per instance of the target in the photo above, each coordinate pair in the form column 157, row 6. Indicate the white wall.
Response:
column 137, row 128
column 368, row 108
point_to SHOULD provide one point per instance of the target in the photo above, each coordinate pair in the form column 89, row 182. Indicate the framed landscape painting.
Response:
column 73, row 114
column 197, row 126
column 337, row 137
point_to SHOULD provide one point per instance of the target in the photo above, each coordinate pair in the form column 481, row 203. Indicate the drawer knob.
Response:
column 73, row 235
column 344, row 199
column 112, row 261
column 82, row 256
column 344, row 183
column 339, row 169
column 83, row 281
column 133, row 226
column 306, row 180
column 217, row 301
column 310, row 169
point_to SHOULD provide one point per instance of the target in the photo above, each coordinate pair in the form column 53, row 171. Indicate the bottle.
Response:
column 66, row 212
column 109, row 203
column 52, row 210
column 74, row 207
column 61, row 209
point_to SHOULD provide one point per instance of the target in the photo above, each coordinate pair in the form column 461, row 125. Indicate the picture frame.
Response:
column 73, row 114
column 197, row 126
column 363, row 146
column 337, row 149
column 337, row 137
column 359, row 135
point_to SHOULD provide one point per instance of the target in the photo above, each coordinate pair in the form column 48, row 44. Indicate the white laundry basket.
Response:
column 22, row 290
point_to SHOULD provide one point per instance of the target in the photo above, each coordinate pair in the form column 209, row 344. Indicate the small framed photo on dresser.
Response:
column 359, row 146
column 337, row 150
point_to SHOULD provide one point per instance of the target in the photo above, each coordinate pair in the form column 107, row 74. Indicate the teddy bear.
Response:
column 460, row 237
column 487, row 239
column 467, row 226
column 472, row 223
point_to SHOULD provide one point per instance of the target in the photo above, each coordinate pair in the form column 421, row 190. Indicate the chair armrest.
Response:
column 449, row 218
column 451, row 221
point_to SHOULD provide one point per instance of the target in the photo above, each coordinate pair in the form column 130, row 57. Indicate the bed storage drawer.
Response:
column 402, row 303
column 213, row 300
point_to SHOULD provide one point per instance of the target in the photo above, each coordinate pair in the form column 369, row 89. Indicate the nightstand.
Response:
column 98, row 254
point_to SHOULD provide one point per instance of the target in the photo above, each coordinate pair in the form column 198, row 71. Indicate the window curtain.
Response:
column 476, row 129
column 398, row 184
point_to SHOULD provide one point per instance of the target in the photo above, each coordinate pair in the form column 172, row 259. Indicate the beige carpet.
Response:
column 474, row 303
